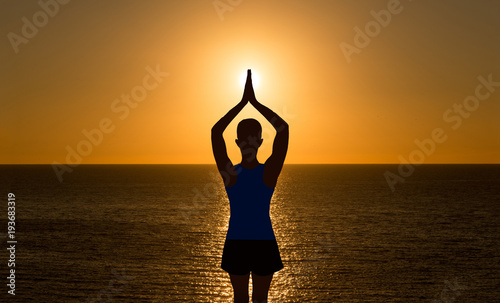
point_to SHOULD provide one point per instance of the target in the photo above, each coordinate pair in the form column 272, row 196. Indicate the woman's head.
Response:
column 249, row 133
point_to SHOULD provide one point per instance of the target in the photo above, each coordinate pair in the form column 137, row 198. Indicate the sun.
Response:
column 255, row 79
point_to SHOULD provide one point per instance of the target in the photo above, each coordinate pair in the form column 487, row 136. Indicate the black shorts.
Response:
column 240, row 257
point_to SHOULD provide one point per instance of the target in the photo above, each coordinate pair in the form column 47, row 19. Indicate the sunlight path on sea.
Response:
column 285, row 283
column 305, row 247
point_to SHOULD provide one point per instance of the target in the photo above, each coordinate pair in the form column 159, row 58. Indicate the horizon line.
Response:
column 434, row 163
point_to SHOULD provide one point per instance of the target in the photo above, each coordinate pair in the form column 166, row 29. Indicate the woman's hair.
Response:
column 249, row 127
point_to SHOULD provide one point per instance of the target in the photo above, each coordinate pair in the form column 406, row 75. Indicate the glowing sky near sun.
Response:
column 144, row 81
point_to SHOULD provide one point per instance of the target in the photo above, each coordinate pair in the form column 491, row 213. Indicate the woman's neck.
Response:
column 250, row 163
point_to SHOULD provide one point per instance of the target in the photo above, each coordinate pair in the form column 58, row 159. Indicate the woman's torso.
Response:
column 249, row 200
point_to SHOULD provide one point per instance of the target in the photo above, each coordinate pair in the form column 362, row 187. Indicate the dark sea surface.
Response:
column 154, row 233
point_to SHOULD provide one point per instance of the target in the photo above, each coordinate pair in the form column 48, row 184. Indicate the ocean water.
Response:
column 154, row 233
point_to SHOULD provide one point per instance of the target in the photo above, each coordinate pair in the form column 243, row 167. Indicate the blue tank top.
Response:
column 249, row 200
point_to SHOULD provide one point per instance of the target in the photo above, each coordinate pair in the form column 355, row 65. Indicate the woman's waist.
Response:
column 250, row 229
column 249, row 216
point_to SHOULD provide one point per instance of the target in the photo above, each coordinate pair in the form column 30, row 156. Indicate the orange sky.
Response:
column 68, row 68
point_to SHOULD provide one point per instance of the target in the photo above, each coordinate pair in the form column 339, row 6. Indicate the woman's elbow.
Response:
column 283, row 128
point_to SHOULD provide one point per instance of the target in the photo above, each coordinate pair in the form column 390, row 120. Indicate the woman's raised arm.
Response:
column 274, row 163
column 224, row 164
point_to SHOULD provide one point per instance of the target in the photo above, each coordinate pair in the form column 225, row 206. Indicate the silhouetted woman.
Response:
column 250, row 245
